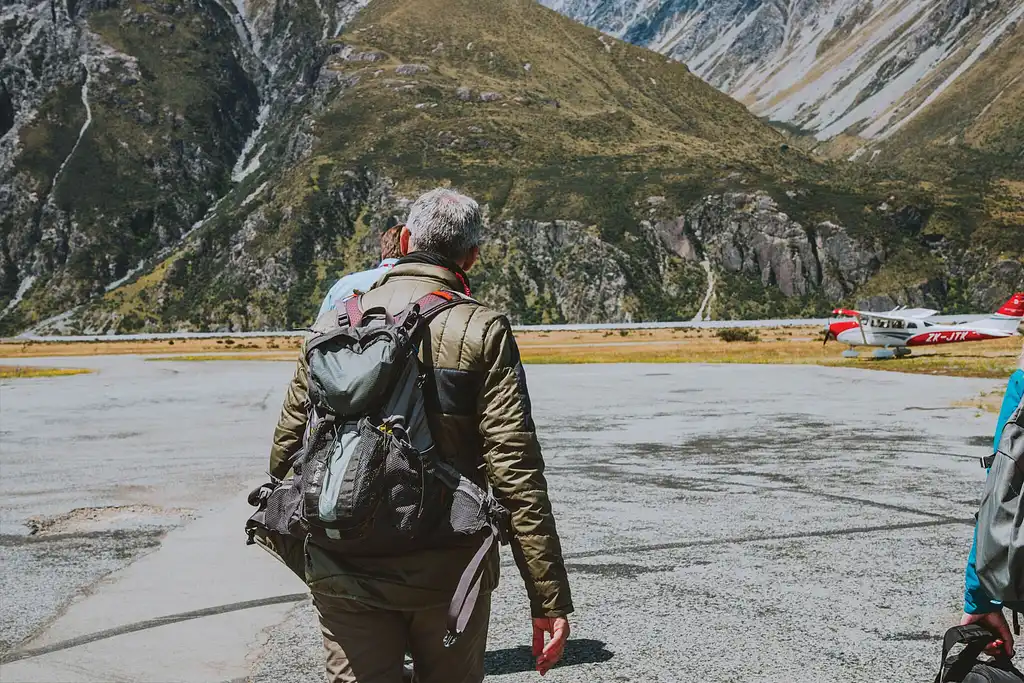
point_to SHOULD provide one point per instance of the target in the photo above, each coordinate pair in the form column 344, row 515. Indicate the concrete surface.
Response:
column 109, row 461
column 720, row 523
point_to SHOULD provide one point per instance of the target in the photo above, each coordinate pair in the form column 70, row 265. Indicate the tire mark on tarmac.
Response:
column 17, row 655
column 824, row 533
column 676, row 482
column 630, row 549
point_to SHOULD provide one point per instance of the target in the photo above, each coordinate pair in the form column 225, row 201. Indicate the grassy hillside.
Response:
column 536, row 116
column 575, row 142
column 978, row 120
column 581, row 125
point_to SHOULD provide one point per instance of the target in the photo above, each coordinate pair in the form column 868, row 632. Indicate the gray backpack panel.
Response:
column 1000, row 552
column 349, row 376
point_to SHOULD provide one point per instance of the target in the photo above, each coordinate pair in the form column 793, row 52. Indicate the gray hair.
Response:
column 444, row 222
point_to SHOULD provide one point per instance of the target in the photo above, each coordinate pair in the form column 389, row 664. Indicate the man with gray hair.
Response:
column 373, row 610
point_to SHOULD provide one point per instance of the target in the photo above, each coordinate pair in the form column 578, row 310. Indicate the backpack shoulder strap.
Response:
column 430, row 306
column 353, row 310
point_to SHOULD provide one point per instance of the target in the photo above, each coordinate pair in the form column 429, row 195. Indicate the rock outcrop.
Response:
column 747, row 234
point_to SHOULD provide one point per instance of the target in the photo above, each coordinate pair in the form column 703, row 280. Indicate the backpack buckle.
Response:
column 986, row 462
column 500, row 518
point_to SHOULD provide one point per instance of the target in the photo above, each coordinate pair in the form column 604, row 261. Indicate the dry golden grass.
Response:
column 791, row 345
column 778, row 345
column 986, row 402
column 35, row 349
column 23, row 371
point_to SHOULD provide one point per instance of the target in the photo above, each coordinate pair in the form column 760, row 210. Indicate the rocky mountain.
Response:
column 197, row 164
column 831, row 67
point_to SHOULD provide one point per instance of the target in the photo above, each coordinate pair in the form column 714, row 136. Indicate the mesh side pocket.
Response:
column 364, row 472
column 282, row 511
column 468, row 515
column 404, row 478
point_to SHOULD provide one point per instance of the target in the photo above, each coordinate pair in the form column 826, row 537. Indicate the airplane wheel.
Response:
column 883, row 354
column 850, row 353
column 902, row 352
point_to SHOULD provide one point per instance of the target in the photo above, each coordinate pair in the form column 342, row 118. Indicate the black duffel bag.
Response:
column 965, row 667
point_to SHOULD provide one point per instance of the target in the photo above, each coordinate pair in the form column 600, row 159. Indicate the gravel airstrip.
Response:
column 720, row 522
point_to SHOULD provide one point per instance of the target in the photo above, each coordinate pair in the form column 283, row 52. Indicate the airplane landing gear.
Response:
column 850, row 353
column 902, row 352
column 883, row 354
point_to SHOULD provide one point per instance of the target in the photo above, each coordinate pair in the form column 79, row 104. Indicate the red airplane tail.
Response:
column 1009, row 316
column 1014, row 308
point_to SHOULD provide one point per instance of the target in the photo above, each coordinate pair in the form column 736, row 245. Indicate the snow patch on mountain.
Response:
column 22, row 290
column 984, row 44
column 828, row 66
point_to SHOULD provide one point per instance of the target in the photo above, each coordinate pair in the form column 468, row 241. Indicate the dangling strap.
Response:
column 460, row 609
column 466, row 593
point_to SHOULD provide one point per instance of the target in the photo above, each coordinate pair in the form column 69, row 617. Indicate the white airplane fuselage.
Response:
column 901, row 327
column 915, row 333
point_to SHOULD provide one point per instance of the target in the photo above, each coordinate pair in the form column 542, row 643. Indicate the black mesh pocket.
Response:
column 364, row 476
column 403, row 475
column 282, row 511
column 469, row 513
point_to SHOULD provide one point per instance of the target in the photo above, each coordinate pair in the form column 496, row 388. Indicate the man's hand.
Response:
column 996, row 623
column 548, row 655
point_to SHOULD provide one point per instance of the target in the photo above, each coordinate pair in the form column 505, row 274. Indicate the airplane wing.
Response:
column 847, row 313
column 917, row 313
column 891, row 315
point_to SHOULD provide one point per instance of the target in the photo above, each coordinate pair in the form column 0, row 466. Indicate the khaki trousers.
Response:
column 367, row 645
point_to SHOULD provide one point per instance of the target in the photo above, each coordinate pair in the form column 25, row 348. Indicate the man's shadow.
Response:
column 519, row 659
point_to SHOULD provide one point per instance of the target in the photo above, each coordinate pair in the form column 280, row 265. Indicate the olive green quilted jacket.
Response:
column 479, row 411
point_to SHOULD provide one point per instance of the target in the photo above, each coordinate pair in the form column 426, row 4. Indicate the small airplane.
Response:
column 897, row 330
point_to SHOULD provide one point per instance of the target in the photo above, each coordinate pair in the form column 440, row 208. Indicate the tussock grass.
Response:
column 23, row 371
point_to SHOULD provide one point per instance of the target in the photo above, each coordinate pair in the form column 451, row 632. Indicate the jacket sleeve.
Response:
column 292, row 424
column 516, row 472
column 1011, row 399
column 976, row 600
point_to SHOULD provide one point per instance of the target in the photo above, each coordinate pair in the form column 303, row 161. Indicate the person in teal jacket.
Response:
column 979, row 607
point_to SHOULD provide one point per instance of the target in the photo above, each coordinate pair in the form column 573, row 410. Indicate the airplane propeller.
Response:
column 828, row 332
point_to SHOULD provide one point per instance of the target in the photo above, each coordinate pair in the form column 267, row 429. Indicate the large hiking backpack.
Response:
column 1000, row 551
column 368, row 480
column 965, row 667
